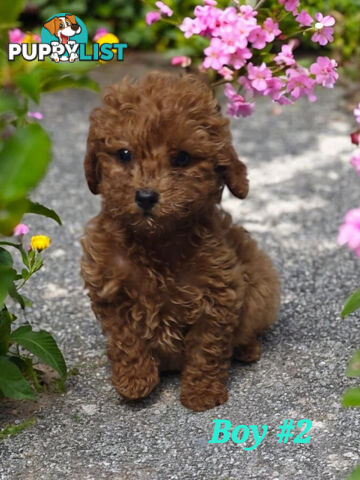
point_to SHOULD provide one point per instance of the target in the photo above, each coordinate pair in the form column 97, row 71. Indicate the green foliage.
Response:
column 351, row 304
column 351, row 398
column 25, row 153
column 353, row 369
column 42, row 345
column 355, row 474
column 16, row 369
column 11, row 430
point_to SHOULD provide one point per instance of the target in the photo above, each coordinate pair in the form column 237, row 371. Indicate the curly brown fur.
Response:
column 179, row 286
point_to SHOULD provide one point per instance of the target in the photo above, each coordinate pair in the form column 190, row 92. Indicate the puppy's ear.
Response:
column 71, row 18
column 234, row 173
column 51, row 25
column 92, row 171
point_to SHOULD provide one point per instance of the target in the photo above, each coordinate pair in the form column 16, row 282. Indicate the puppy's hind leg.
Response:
column 261, row 303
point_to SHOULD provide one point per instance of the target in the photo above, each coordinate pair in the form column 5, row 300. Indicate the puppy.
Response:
column 175, row 285
column 63, row 28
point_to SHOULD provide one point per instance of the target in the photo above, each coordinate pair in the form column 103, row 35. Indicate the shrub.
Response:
column 25, row 152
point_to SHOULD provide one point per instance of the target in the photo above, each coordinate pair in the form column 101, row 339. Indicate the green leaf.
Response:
column 7, row 274
column 15, row 295
column 14, row 429
column 5, row 330
column 41, row 344
column 351, row 398
column 353, row 369
column 351, row 304
column 355, row 475
column 23, row 162
column 10, row 10
column 69, row 81
column 5, row 259
column 11, row 214
column 39, row 209
column 12, row 383
column 29, row 84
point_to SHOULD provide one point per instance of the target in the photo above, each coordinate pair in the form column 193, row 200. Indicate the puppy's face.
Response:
column 159, row 152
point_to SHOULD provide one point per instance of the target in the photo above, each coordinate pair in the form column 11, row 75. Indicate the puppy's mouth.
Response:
column 64, row 38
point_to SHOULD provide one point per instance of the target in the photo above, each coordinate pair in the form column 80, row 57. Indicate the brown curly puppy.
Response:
column 175, row 285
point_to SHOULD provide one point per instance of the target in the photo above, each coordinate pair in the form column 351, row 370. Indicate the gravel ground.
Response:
column 301, row 187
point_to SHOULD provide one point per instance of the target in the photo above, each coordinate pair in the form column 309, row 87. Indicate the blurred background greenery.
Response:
column 126, row 19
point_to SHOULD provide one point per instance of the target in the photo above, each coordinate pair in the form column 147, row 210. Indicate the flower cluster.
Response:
column 38, row 242
column 249, row 50
column 17, row 36
column 349, row 232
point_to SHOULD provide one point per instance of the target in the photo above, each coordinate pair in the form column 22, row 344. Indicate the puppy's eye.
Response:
column 61, row 25
column 182, row 159
column 124, row 155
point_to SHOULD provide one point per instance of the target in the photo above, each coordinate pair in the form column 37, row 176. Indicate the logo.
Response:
column 64, row 39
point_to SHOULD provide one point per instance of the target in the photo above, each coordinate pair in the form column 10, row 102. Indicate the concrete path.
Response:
column 301, row 187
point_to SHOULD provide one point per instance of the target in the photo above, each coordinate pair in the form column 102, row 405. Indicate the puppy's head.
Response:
column 160, row 152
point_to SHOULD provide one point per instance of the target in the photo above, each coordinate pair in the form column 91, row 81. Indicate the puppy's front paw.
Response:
column 133, row 387
column 203, row 395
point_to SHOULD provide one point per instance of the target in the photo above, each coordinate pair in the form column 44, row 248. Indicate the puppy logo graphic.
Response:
column 64, row 39
column 64, row 32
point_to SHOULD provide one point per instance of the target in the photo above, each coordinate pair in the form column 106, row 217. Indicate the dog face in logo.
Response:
column 63, row 28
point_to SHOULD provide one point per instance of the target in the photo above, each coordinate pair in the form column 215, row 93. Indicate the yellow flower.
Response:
column 31, row 38
column 40, row 242
column 107, row 38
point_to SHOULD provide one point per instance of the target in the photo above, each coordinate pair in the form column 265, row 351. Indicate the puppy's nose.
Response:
column 146, row 198
column 74, row 26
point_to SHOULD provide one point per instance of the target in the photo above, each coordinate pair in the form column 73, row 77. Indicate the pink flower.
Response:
column 286, row 56
column 229, row 16
column 355, row 162
column 237, row 105
column 282, row 99
column 152, row 17
column 21, row 229
column 227, row 73
column 208, row 19
column 324, row 31
column 100, row 32
column 304, row 19
column 190, row 27
column 248, row 13
column 271, row 29
column 16, row 35
column 216, row 55
column 245, row 83
column 290, row 5
column 300, row 84
column 258, row 38
column 325, row 72
column 349, row 232
column 274, row 88
column 37, row 115
column 259, row 76
column 232, row 40
column 164, row 9
column 357, row 113
column 211, row 3
column 240, row 57
column 355, row 137
column 182, row 61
